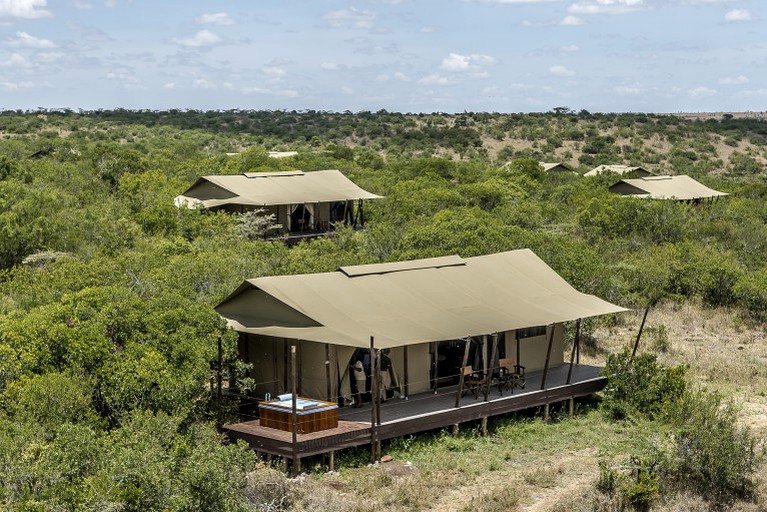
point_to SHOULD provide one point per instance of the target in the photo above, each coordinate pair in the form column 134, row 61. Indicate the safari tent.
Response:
column 423, row 311
column 300, row 201
column 618, row 169
column 677, row 188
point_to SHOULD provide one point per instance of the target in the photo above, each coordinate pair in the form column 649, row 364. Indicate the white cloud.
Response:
column 274, row 71
column 218, row 18
column 350, row 18
column 15, row 61
column 110, row 4
column 434, row 79
column 27, row 41
column 427, row 30
column 559, row 70
column 628, row 90
column 569, row 48
column 202, row 83
column 169, row 85
column 329, row 66
column 83, row 6
column 511, row 2
column 571, row 21
column 402, row 77
column 733, row 80
column 702, row 92
column 347, row 90
column 201, row 38
column 15, row 86
column 285, row 93
column 606, row 6
column 738, row 15
column 23, row 9
column 458, row 63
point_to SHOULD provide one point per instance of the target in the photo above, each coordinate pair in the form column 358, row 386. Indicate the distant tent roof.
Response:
column 282, row 154
column 272, row 188
column 555, row 166
column 618, row 169
column 410, row 302
column 681, row 188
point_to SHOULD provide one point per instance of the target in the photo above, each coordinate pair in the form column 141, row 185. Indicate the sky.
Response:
column 399, row 55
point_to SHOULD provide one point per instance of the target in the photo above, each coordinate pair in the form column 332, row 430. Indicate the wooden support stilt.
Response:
column 483, row 426
column 461, row 376
column 455, row 429
column 548, row 357
column 571, row 408
column 269, row 457
column 285, row 465
column 332, row 461
column 294, row 416
column 639, row 334
column 546, row 412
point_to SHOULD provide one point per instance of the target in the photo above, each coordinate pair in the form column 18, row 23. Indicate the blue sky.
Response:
column 399, row 55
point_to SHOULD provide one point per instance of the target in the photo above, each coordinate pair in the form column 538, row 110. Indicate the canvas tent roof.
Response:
column 410, row 302
column 617, row 169
column 555, row 166
column 272, row 188
column 680, row 187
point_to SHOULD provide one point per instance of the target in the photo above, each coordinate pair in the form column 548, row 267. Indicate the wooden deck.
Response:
column 422, row 412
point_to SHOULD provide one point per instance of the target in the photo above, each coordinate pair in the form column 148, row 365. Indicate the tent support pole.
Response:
column 639, row 334
column 406, row 387
column 434, row 359
column 518, row 349
column 293, row 417
column 546, row 364
column 327, row 372
column 362, row 213
column 572, row 354
column 578, row 342
column 493, row 365
column 461, row 377
column 373, row 402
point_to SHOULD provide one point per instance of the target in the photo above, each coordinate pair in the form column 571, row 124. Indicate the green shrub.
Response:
column 711, row 453
column 640, row 385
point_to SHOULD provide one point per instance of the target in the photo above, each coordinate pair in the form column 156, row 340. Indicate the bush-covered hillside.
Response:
column 107, row 332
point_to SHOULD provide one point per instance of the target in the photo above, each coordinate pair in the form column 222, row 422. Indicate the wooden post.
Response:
column 327, row 372
column 219, row 385
column 485, row 366
column 546, row 412
column 546, row 364
column 572, row 354
column 571, row 406
column 578, row 341
column 406, row 376
column 639, row 334
column 455, row 429
column 332, row 460
column 483, row 426
column 294, row 415
column 493, row 365
column 461, row 376
column 374, row 397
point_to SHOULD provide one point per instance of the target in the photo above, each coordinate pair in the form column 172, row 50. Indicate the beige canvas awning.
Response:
column 272, row 188
column 681, row 188
column 412, row 302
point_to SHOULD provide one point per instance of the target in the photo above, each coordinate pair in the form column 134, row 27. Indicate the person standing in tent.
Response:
column 387, row 377
column 360, row 379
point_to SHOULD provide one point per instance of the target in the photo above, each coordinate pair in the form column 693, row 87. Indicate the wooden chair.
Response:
column 472, row 382
column 510, row 375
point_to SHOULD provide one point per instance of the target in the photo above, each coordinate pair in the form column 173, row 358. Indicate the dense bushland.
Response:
column 107, row 332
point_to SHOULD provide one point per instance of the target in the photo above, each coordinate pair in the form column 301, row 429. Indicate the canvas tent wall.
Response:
column 556, row 167
column 406, row 304
column 679, row 188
